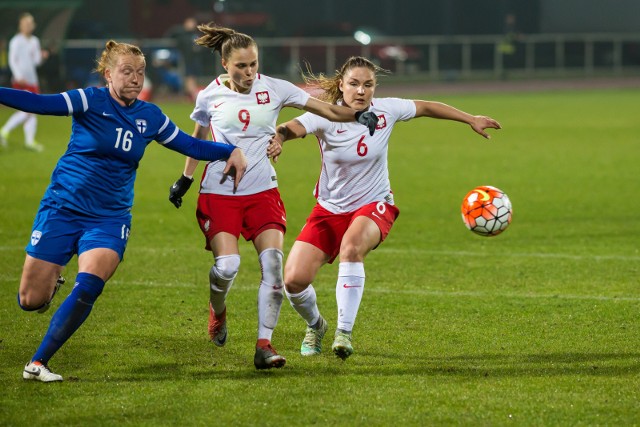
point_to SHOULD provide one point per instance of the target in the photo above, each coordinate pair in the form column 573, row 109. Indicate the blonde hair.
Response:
column 112, row 51
column 222, row 39
column 330, row 86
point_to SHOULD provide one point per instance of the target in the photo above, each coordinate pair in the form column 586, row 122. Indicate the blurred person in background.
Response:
column 86, row 210
column 509, row 44
column 355, row 208
column 241, row 108
column 190, row 64
column 25, row 55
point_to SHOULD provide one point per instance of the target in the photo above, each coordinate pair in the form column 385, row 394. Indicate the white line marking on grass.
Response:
column 501, row 295
column 513, row 254
column 420, row 292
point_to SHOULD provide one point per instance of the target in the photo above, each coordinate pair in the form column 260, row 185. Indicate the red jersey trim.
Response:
column 316, row 191
column 213, row 133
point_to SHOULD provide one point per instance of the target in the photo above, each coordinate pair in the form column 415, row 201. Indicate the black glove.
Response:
column 368, row 119
column 179, row 189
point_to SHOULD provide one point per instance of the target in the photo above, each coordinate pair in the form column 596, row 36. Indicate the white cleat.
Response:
column 4, row 139
column 39, row 372
column 342, row 345
column 34, row 146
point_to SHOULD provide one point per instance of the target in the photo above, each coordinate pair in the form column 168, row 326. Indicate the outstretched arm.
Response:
column 199, row 149
column 438, row 110
column 54, row 105
column 340, row 113
column 236, row 162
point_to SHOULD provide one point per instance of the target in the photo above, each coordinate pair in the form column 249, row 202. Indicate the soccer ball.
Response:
column 486, row 210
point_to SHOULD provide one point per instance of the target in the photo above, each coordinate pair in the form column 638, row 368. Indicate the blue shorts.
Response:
column 59, row 234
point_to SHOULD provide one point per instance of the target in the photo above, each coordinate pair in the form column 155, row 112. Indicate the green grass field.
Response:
column 538, row 326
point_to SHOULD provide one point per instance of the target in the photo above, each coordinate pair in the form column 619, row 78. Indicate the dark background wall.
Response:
column 153, row 18
column 77, row 20
column 589, row 16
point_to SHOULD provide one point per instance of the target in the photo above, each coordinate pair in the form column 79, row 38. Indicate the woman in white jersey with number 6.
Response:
column 241, row 108
column 355, row 209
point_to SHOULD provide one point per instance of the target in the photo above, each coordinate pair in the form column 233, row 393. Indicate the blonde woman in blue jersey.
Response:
column 86, row 210
column 241, row 107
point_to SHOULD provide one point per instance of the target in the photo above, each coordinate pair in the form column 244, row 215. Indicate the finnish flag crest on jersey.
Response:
column 35, row 237
column 141, row 124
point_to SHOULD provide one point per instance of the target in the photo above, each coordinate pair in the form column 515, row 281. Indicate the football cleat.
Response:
column 218, row 327
column 47, row 304
column 34, row 146
column 312, row 342
column 342, row 345
column 39, row 372
column 267, row 357
column 4, row 139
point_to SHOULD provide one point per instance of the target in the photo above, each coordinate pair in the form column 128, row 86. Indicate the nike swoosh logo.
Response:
column 484, row 194
column 351, row 286
column 106, row 114
column 342, row 131
column 36, row 372
column 217, row 105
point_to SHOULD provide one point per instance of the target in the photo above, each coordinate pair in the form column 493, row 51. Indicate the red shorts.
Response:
column 30, row 88
column 325, row 229
column 249, row 215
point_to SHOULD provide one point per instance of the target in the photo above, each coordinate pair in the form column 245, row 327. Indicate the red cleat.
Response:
column 267, row 357
column 218, row 327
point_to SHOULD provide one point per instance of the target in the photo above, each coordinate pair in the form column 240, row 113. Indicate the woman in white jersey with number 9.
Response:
column 241, row 108
column 355, row 209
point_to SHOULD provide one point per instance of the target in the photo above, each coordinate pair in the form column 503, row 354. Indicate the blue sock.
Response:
column 70, row 315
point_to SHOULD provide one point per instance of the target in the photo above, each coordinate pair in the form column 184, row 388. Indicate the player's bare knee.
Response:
column 351, row 252
column 297, row 278
column 29, row 300
column 296, row 287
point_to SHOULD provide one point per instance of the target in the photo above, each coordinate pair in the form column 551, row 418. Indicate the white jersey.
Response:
column 248, row 121
column 24, row 56
column 354, row 164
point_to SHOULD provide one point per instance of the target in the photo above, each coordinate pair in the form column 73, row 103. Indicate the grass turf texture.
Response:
column 537, row 326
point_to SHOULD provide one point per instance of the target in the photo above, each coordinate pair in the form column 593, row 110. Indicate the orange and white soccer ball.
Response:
column 486, row 210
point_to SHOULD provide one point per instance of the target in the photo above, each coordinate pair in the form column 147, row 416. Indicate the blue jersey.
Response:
column 95, row 176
